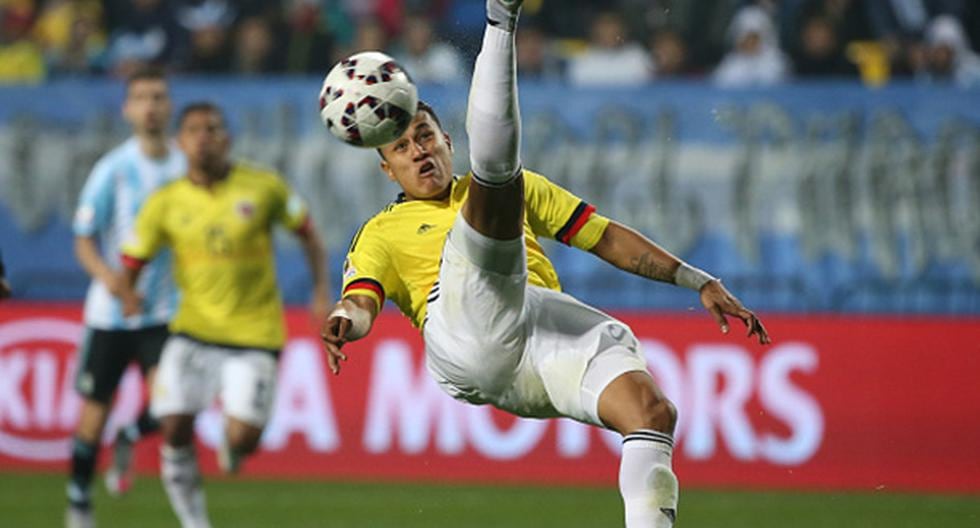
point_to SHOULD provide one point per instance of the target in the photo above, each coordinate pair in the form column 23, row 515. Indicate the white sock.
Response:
column 182, row 481
column 506, row 257
column 493, row 120
column 646, row 481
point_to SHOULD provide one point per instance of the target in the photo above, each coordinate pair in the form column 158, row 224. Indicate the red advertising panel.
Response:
column 840, row 402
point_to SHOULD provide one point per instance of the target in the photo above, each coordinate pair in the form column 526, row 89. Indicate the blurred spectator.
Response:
column 256, row 49
column 755, row 58
column 207, row 24
column 21, row 59
column 389, row 13
column 147, row 34
column 900, row 26
column 271, row 10
column 610, row 59
column 881, row 38
column 536, row 59
column 703, row 25
column 909, row 19
column 565, row 18
column 310, row 45
column 948, row 55
column 394, row 15
column 971, row 22
column 669, row 53
column 426, row 59
column 370, row 35
column 71, row 34
column 848, row 18
column 820, row 52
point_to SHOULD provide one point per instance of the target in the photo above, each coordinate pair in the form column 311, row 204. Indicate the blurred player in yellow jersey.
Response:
column 460, row 257
column 229, row 327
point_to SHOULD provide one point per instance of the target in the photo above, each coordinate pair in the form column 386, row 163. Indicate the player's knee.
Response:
column 495, row 151
column 177, row 430
column 243, row 440
column 664, row 413
column 655, row 412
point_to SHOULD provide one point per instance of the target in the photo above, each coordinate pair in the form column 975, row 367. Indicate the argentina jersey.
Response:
column 109, row 201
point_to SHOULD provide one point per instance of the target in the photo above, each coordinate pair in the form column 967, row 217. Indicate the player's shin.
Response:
column 646, row 480
column 493, row 120
column 83, row 460
column 182, row 480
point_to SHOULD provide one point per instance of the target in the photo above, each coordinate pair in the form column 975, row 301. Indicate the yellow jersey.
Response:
column 395, row 254
column 221, row 239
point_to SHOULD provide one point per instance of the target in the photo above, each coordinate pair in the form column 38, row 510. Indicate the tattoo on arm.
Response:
column 646, row 266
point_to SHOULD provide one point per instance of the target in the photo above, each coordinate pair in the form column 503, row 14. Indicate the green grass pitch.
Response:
column 37, row 500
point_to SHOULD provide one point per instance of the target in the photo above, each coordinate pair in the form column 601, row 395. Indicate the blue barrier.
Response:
column 815, row 197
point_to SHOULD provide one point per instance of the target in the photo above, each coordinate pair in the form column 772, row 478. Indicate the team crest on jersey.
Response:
column 246, row 209
column 349, row 270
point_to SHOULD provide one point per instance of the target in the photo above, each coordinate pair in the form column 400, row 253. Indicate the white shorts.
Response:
column 191, row 374
column 492, row 338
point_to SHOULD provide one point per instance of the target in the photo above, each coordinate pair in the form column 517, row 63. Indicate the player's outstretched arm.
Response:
column 630, row 251
column 316, row 259
column 351, row 319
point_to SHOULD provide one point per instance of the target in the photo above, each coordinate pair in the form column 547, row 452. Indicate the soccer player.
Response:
column 460, row 257
column 229, row 327
column 114, row 191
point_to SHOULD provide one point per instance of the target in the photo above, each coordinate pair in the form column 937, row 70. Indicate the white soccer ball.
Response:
column 368, row 100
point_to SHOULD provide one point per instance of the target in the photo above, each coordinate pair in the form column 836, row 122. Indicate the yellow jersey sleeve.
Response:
column 289, row 208
column 148, row 234
column 368, row 268
column 554, row 212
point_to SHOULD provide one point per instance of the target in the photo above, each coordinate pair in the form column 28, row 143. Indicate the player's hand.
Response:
column 4, row 289
column 116, row 284
column 132, row 302
column 717, row 300
column 334, row 334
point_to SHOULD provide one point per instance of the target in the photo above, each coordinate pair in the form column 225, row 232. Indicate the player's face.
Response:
column 147, row 106
column 420, row 160
column 204, row 140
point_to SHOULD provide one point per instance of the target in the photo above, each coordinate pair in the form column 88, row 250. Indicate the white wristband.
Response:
column 688, row 276
column 360, row 321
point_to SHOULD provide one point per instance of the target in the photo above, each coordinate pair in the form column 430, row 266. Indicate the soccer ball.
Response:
column 368, row 100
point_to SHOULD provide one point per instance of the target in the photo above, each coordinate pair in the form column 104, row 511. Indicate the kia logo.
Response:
column 39, row 404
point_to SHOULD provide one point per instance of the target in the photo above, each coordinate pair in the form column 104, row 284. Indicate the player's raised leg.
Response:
column 633, row 405
column 494, row 208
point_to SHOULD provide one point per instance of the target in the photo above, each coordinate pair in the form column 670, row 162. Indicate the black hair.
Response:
column 422, row 107
column 145, row 73
column 199, row 106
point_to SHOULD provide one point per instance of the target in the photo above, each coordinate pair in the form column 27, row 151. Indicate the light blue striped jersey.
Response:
column 116, row 188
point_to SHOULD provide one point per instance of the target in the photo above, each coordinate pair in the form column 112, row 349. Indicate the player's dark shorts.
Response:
column 105, row 354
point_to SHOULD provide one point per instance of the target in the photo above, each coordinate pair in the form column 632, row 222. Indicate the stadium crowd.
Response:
column 586, row 42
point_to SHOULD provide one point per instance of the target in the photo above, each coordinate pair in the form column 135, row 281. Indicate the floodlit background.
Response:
column 821, row 156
